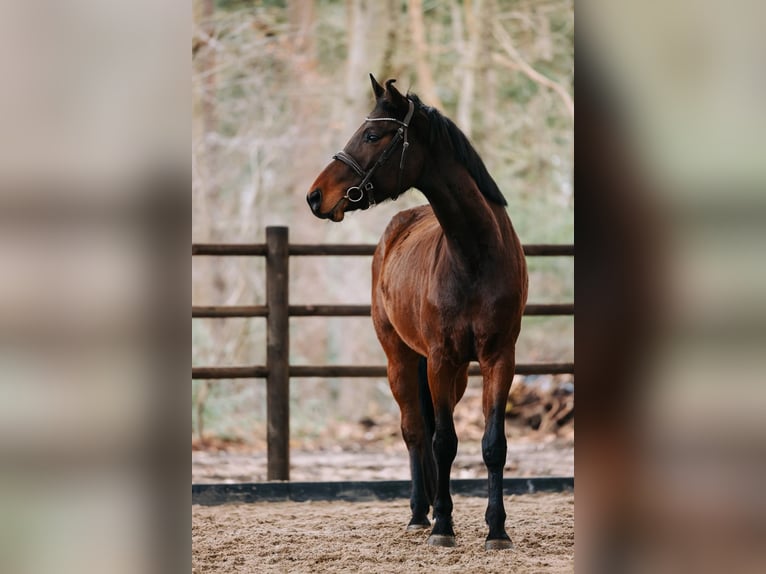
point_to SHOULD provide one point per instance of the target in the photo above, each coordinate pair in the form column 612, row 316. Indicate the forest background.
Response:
column 278, row 87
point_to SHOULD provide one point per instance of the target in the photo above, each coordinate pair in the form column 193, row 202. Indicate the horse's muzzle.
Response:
column 315, row 200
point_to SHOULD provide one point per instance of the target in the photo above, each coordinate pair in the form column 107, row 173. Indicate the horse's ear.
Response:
column 376, row 87
column 396, row 98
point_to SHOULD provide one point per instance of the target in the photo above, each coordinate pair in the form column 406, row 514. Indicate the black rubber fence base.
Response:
column 210, row 494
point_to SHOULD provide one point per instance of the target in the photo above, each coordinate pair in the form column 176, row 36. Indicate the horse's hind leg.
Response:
column 497, row 384
column 417, row 429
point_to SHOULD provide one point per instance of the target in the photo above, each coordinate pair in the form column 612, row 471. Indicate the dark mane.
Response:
column 443, row 130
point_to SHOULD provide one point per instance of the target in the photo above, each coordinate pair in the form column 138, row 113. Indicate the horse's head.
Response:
column 372, row 167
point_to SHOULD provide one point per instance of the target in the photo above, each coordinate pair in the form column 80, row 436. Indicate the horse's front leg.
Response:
column 446, row 383
column 497, row 383
column 417, row 427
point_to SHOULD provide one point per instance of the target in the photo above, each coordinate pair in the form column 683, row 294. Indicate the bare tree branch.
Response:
column 517, row 62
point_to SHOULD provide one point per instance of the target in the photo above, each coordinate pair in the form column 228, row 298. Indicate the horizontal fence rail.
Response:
column 251, row 249
column 298, row 371
column 278, row 371
column 230, row 311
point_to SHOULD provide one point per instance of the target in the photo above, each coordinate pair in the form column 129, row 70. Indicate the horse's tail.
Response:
column 429, row 424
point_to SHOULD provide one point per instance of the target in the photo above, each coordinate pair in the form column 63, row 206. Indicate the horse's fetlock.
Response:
column 443, row 509
column 495, row 515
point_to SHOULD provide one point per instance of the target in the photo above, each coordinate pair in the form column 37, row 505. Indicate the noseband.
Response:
column 355, row 193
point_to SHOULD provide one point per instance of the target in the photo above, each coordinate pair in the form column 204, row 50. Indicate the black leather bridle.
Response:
column 355, row 193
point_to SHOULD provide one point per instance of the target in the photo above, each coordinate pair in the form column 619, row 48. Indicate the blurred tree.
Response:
column 368, row 24
column 204, row 101
column 426, row 85
column 486, row 77
column 467, row 46
column 302, row 17
column 393, row 16
column 303, row 110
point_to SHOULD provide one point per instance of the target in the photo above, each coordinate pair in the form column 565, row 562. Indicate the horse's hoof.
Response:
column 441, row 540
column 498, row 544
column 413, row 527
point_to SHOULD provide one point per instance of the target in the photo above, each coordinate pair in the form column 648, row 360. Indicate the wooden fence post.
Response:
column 277, row 354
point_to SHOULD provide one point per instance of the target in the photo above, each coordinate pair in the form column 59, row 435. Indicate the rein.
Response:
column 355, row 193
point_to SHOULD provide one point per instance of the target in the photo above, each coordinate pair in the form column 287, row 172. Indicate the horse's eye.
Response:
column 371, row 137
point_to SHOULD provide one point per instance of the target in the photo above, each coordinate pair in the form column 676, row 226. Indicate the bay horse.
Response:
column 449, row 286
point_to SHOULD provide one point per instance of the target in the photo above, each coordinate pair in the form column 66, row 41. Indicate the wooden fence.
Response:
column 277, row 371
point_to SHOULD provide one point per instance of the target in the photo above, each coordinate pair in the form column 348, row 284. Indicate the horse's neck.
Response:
column 468, row 220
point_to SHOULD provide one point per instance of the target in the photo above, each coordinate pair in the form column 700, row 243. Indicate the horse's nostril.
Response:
column 315, row 199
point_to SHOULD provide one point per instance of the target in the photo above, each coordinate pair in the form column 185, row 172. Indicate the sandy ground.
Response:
column 370, row 537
